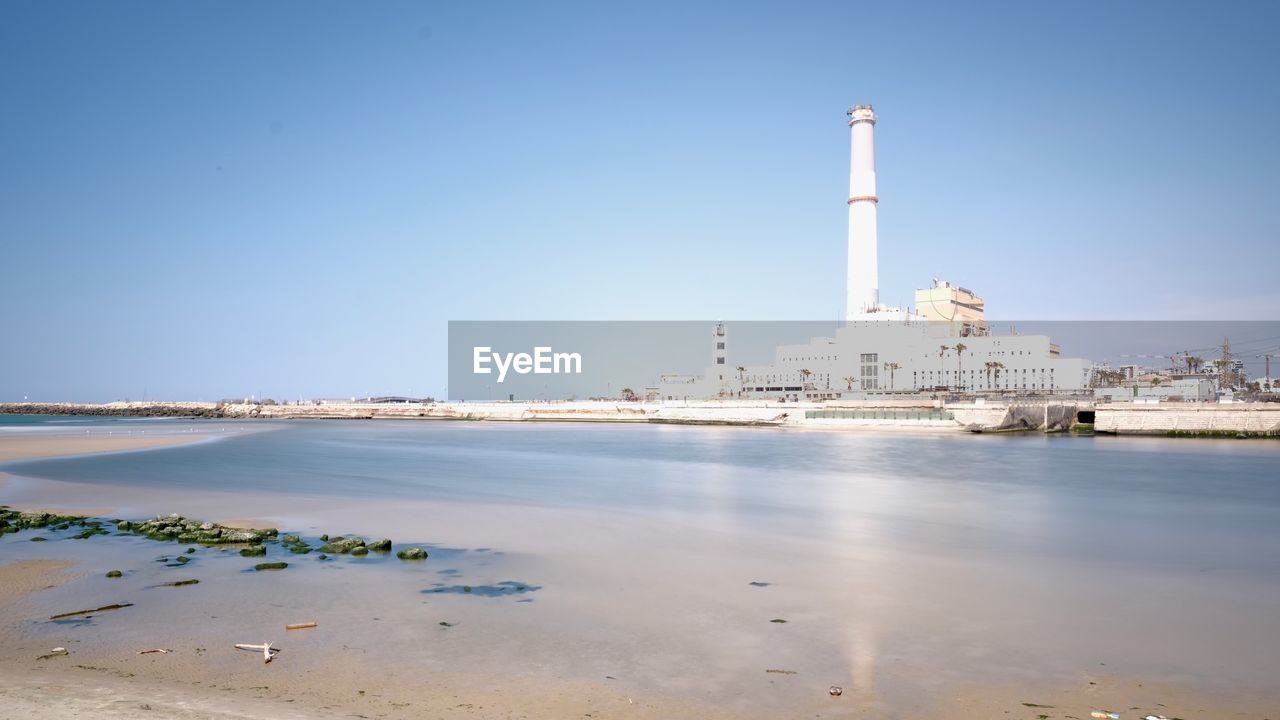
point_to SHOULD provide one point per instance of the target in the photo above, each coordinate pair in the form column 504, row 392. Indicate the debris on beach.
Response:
column 776, row 671
column 780, row 621
column 757, row 583
column 104, row 608
column 299, row 626
column 1155, row 717
column 162, row 651
column 268, row 653
column 1106, row 714
column 56, row 652
column 835, row 691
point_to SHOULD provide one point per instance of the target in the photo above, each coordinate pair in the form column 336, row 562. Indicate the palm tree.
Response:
column 891, row 367
column 989, row 366
column 805, row 373
column 1156, row 381
column 848, row 383
column 942, row 351
column 1193, row 363
column 960, row 348
column 997, row 366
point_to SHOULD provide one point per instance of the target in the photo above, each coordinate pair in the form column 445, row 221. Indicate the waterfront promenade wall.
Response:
column 1047, row 415
column 1188, row 418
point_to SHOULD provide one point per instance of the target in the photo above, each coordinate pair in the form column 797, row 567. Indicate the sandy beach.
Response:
column 27, row 447
column 386, row 647
column 113, row 682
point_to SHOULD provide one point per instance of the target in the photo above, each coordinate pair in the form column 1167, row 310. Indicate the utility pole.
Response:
column 1267, row 359
column 1223, row 375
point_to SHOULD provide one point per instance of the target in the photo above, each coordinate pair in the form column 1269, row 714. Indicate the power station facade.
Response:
column 944, row 344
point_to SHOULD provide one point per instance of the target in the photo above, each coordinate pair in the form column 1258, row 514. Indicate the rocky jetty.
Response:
column 189, row 531
column 11, row 521
column 119, row 409
column 185, row 530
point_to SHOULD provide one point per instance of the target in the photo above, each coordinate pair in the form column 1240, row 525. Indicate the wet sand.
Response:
column 30, row 447
column 103, row 675
column 19, row 580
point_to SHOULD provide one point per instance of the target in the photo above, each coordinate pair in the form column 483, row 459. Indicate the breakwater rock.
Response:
column 119, row 409
column 12, row 521
column 185, row 530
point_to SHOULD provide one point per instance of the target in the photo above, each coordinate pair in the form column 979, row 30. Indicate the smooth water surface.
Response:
column 667, row 550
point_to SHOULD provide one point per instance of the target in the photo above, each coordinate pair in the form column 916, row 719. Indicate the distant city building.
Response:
column 1185, row 389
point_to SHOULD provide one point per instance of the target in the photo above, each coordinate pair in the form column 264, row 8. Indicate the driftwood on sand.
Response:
column 104, row 608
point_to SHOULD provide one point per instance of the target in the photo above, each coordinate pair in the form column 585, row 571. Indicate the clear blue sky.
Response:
column 216, row 199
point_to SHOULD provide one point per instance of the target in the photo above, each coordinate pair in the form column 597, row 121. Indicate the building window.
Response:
column 870, row 371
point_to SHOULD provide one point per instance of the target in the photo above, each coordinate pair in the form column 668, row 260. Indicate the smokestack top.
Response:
column 861, row 113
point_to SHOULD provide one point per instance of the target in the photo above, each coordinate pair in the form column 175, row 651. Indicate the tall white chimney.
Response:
column 864, row 282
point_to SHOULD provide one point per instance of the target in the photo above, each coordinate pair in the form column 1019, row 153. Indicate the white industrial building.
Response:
column 944, row 345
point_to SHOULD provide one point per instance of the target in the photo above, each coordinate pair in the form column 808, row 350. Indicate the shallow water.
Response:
column 659, row 555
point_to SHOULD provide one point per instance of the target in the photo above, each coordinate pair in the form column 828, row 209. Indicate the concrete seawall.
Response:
column 1046, row 416
column 1256, row 419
